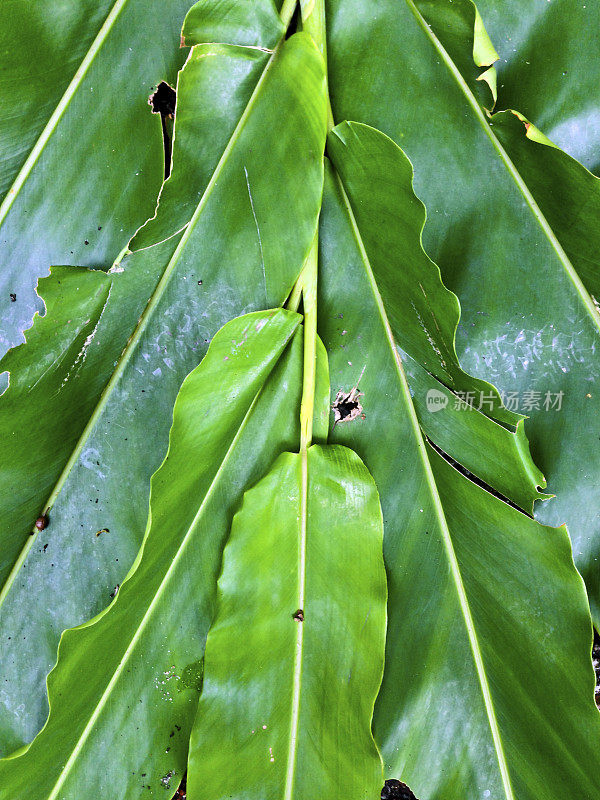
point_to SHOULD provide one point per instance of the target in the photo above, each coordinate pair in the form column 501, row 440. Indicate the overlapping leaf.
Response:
column 235, row 254
column 462, row 712
column 81, row 155
column 548, row 69
column 131, row 677
column 291, row 704
column 466, row 573
column 528, row 324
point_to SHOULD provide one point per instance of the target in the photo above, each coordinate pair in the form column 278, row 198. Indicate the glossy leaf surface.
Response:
column 479, row 593
column 81, row 152
column 445, row 719
column 286, row 707
column 548, row 70
column 253, row 23
column 242, row 249
column 131, row 677
column 528, row 324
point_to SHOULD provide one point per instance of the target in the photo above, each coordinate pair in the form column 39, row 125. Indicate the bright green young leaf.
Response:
column 479, row 594
column 80, row 151
column 131, row 676
column 243, row 246
column 528, row 324
column 292, row 666
column 252, row 23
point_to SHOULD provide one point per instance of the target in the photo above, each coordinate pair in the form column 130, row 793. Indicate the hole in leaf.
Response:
column 396, row 790
column 163, row 102
column 347, row 405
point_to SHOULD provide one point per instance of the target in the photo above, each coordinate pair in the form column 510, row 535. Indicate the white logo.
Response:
column 436, row 400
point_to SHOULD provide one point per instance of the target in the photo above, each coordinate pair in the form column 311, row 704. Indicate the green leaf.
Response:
column 58, row 347
column 132, row 675
column 288, row 713
column 459, row 428
column 528, row 324
column 242, row 249
column 547, row 69
column 423, row 314
column 81, row 153
column 480, row 595
column 254, row 23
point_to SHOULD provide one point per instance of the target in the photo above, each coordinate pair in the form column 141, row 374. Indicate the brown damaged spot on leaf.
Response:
column 102, row 530
column 299, row 615
column 347, row 406
column 396, row 790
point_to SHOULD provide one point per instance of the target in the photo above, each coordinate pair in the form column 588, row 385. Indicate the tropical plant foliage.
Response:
column 305, row 601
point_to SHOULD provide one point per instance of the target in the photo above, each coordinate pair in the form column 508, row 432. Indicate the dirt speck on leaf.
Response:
column 42, row 522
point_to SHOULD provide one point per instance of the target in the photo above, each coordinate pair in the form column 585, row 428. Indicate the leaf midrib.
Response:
column 510, row 166
column 159, row 593
column 63, row 104
column 141, row 324
column 299, row 644
column 439, row 510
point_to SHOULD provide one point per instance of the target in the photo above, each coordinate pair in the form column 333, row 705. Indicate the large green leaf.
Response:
column 528, row 323
column 128, row 681
column 479, row 593
column 567, row 194
column 76, row 75
column 288, row 712
column 245, row 240
column 548, row 68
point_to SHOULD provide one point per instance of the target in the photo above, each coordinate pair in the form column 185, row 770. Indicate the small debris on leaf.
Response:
column 102, row 530
column 396, row 790
column 166, row 780
column 115, row 590
column 41, row 522
column 299, row 615
column 13, row 297
column 347, row 406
